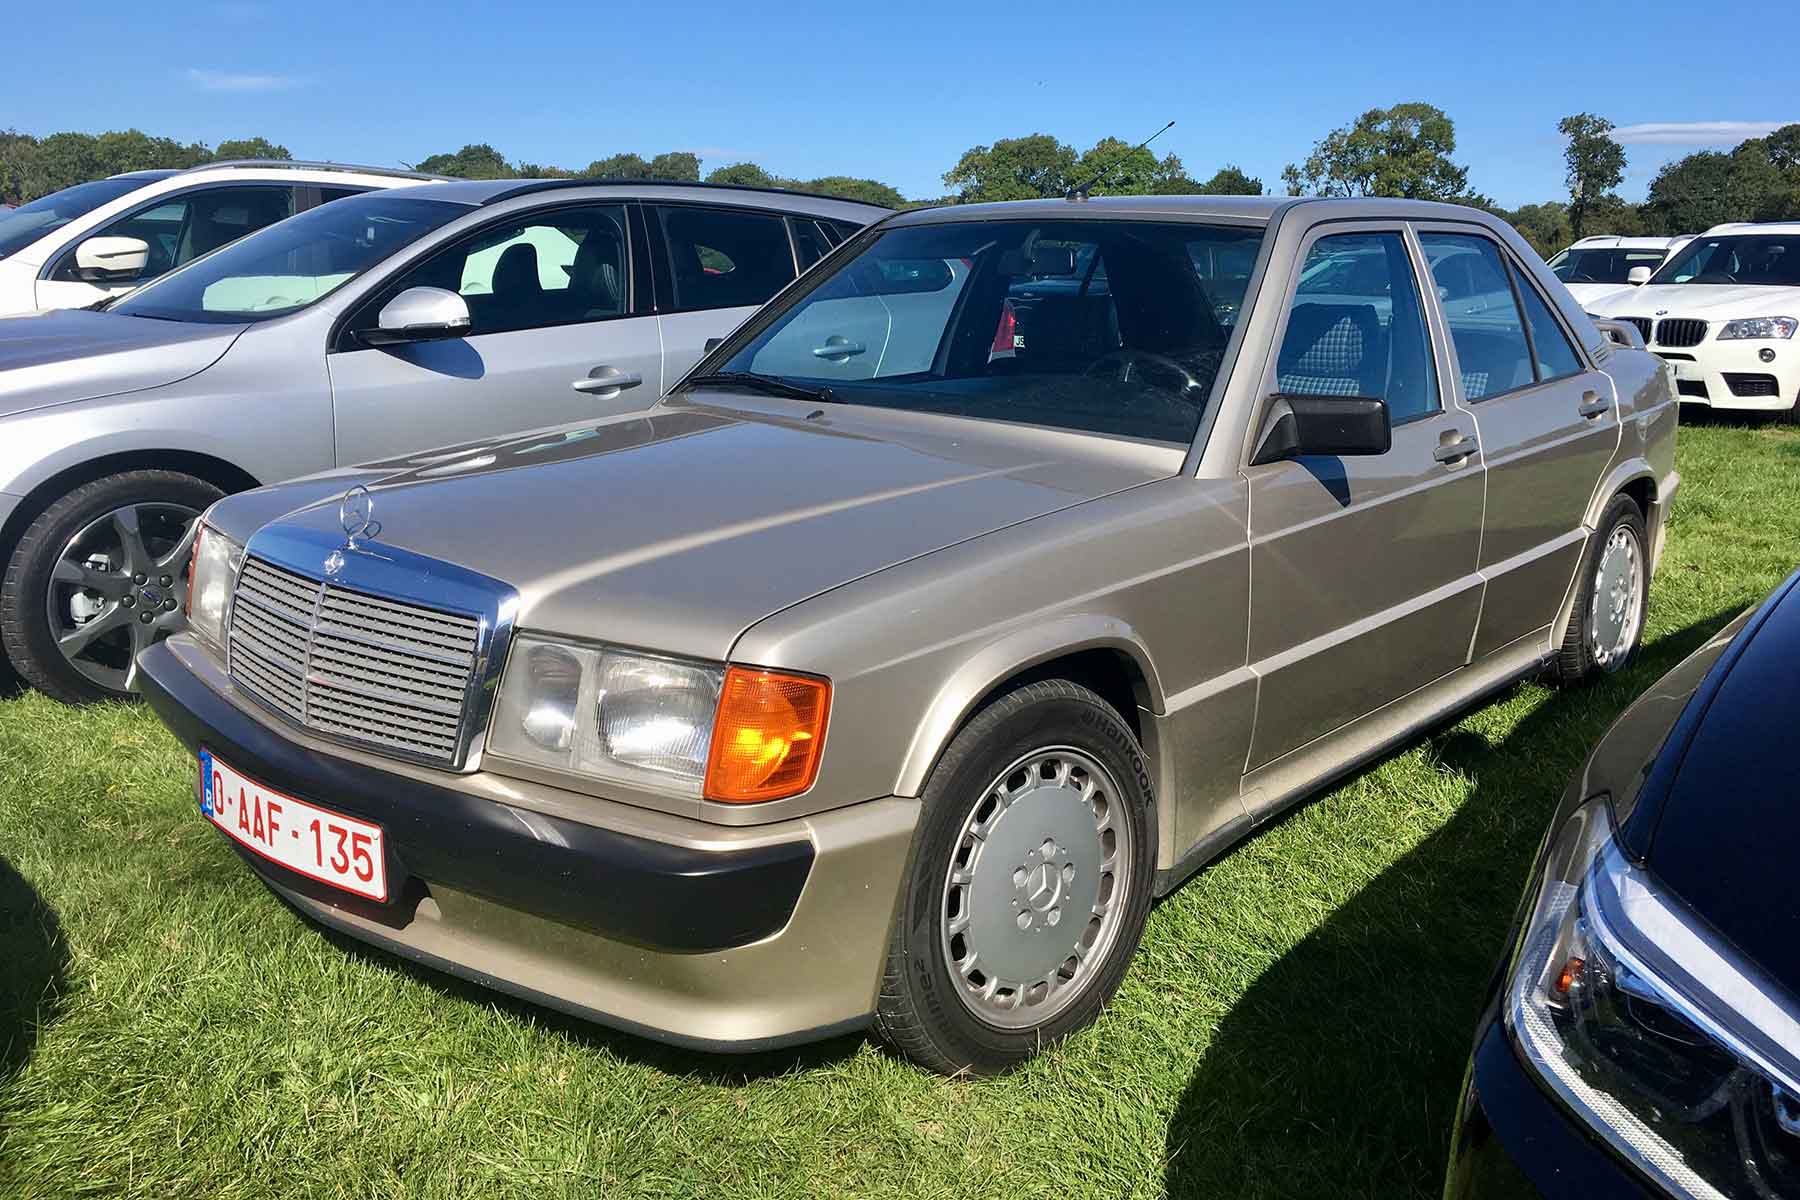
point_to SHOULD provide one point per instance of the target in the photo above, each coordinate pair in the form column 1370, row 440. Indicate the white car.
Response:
column 85, row 243
column 1606, row 265
column 1723, row 312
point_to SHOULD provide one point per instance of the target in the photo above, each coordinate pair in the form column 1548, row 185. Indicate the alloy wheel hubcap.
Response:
column 1036, row 888
column 1617, row 602
column 116, row 588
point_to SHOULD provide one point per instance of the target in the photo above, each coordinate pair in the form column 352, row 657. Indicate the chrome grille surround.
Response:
column 368, row 645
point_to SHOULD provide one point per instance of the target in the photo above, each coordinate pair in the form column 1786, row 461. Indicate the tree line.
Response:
column 1408, row 151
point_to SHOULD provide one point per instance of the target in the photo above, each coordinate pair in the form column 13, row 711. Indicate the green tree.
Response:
column 746, row 174
column 869, row 191
column 1596, row 165
column 477, row 160
column 256, row 147
column 1230, row 181
column 539, row 171
column 1022, row 168
column 682, row 166
column 62, row 160
column 618, row 166
column 1115, row 167
column 1545, row 226
column 1400, row 151
column 18, row 155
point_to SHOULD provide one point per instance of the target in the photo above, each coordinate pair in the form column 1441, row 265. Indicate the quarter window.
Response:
column 722, row 258
column 563, row 267
column 1494, row 342
column 1357, row 327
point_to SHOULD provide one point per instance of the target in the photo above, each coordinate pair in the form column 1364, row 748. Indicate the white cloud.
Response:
column 234, row 81
column 1693, row 133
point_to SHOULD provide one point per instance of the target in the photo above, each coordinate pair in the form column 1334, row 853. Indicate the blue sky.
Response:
column 894, row 91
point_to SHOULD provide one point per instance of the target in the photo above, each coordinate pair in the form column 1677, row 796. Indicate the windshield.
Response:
column 1765, row 260
column 29, row 222
column 1602, row 264
column 291, row 264
column 1114, row 327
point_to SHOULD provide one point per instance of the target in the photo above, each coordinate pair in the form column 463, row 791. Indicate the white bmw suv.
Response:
column 99, row 239
column 1723, row 312
column 1606, row 264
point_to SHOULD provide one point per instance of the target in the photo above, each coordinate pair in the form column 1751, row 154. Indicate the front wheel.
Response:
column 1612, row 597
column 98, row 576
column 1028, row 887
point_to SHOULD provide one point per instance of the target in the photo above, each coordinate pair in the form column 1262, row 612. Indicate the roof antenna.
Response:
column 1080, row 191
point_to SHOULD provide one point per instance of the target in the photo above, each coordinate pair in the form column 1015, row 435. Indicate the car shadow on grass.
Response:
column 1337, row 1073
column 727, row 1070
column 33, row 959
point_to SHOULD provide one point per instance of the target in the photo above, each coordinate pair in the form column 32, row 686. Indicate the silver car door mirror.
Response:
column 420, row 314
column 111, row 259
column 1296, row 426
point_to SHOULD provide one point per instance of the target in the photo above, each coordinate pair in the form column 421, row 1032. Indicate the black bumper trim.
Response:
column 630, row 889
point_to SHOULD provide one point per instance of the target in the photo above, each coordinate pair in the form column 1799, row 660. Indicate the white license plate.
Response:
column 320, row 844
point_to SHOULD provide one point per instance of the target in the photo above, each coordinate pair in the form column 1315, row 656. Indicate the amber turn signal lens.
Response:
column 767, row 737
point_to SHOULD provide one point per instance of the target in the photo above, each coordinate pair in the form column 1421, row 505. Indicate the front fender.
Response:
column 1000, row 660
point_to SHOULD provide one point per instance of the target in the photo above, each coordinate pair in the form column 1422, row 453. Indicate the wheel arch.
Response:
column 223, row 474
column 1101, row 653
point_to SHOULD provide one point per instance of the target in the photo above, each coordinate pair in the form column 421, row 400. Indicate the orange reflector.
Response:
column 1569, row 976
column 767, row 737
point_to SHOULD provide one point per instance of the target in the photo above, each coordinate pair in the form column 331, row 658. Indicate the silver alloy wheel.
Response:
column 1616, row 603
column 1037, row 887
column 116, row 588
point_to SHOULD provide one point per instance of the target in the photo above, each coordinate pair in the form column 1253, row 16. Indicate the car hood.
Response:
column 1707, row 300
column 56, row 357
column 677, row 529
column 1589, row 294
column 1724, row 832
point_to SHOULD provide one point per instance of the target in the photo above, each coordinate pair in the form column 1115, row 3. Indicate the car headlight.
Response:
column 1679, row 1053
column 1758, row 327
column 212, row 575
column 733, row 734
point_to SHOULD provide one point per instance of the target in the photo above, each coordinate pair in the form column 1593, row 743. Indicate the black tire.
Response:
column 1575, row 660
column 25, row 627
column 1789, row 415
column 919, row 1012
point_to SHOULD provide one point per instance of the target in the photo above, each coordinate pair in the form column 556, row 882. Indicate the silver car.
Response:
column 1009, row 568
column 375, row 324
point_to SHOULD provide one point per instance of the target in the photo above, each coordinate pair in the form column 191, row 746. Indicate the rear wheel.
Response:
column 1028, row 887
column 98, row 576
column 1607, row 624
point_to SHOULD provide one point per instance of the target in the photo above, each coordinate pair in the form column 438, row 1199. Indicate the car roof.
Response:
column 146, row 176
column 498, row 190
column 1612, row 240
column 1261, row 209
column 1753, row 227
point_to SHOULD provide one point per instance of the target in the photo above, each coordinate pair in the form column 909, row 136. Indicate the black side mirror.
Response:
column 712, row 344
column 1296, row 426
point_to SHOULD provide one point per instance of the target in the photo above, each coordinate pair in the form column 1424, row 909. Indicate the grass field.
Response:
column 1295, row 1024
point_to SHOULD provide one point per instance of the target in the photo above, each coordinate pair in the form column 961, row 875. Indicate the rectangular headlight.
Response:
column 1758, row 327
column 212, row 574
column 605, row 713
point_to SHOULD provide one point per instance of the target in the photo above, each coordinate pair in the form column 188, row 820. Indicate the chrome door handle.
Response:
column 1455, row 452
column 1593, row 405
column 607, row 381
column 837, row 348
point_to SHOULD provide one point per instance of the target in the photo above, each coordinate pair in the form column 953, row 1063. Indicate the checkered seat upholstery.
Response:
column 1330, row 350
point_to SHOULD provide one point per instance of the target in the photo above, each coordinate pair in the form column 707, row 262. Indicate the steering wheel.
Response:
column 1122, row 365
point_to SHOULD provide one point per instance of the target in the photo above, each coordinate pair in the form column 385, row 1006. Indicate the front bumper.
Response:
column 1730, row 375
column 1513, row 1141
column 723, row 939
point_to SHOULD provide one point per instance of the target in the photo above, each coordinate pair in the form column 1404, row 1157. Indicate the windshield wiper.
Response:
column 772, row 384
column 99, row 305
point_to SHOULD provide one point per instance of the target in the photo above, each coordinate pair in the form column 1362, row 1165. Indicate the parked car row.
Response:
column 879, row 611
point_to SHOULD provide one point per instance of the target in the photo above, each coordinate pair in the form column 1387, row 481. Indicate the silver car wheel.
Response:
column 116, row 588
column 1616, row 602
column 1037, row 887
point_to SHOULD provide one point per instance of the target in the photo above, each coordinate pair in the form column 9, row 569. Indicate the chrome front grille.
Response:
column 352, row 665
column 1643, row 327
column 1680, row 331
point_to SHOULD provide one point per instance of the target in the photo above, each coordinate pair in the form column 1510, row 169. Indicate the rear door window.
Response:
column 724, row 258
column 1475, row 292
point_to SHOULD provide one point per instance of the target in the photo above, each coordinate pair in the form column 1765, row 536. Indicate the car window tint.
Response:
column 1477, row 298
column 1100, row 326
column 557, row 268
column 811, row 242
column 1555, row 356
column 328, row 194
column 723, row 258
column 181, row 229
column 1356, row 326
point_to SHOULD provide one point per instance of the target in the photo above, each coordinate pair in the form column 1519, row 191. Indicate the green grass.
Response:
column 1296, row 1022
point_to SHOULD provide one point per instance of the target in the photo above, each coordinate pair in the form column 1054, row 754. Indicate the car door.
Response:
column 176, row 229
column 1363, row 569
column 557, row 334
column 715, row 266
column 1548, row 424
